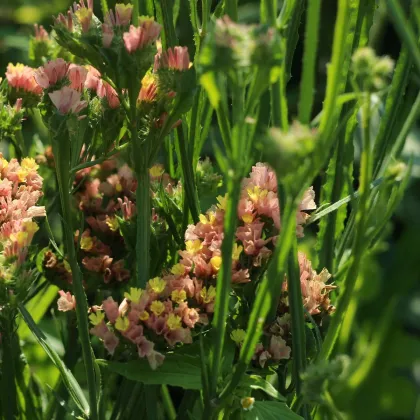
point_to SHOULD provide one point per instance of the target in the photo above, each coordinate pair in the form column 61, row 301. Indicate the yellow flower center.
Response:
column 122, row 323
column 134, row 295
column 96, row 317
column 144, row 316
column 216, row 262
column 248, row 218
column 193, row 247
column 157, row 284
column 157, row 307
column 178, row 296
column 256, row 193
column 178, row 269
column 237, row 251
column 86, row 243
column 222, row 202
column 173, row 322
column 112, row 223
column 208, row 295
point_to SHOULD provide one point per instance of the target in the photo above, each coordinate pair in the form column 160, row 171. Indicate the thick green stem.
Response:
column 143, row 226
column 359, row 239
column 62, row 161
column 224, row 280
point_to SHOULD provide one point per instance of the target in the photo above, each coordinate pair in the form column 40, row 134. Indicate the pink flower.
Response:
column 107, row 35
column 138, row 38
column 22, row 77
column 190, row 317
column 67, row 100
column 41, row 35
column 66, row 302
column 278, row 348
column 100, row 330
column 51, row 73
column 111, row 342
column 155, row 359
column 18, row 104
column 144, row 346
column 250, row 235
column 111, row 96
column 307, row 203
column 93, row 77
column 77, row 76
column 66, row 21
column 176, row 58
column 110, row 308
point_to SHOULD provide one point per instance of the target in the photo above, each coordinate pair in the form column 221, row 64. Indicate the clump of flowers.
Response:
column 106, row 196
column 173, row 306
column 20, row 190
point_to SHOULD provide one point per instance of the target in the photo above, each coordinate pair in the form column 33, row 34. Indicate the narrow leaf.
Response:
column 69, row 380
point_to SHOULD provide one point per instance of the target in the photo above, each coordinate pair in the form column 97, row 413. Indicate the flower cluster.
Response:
column 20, row 190
column 106, row 196
column 171, row 308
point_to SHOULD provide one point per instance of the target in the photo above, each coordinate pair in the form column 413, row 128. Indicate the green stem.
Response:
column 306, row 98
column 224, row 126
column 392, row 107
column 205, row 16
column 279, row 102
column 231, row 9
column 143, row 225
column 405, row 30
column 189, row 177
column 267, row 295
column 292, row 35
column 269, row 12
column 224, row 279
column 8, row 377
column 62, row 161
column 340, row 59
column 294, row 292
column 359, row 239
column 135, row 13
column 104, row 7
column 167, row 403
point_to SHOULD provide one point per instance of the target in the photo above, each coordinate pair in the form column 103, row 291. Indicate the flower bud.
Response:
column 285, row 151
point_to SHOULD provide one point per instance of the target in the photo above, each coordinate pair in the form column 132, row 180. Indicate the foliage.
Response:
column 214, row 256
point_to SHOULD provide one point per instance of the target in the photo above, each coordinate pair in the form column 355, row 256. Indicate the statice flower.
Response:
column 174, row 305
column 21, row 77
column 142, row 36
column 20, row 190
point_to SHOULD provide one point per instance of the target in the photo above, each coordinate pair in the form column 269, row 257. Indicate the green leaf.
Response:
column 69, row 380
column 256, row 382
column 177, row 370
column 37, row 308
column 208, row 81
column 271, row 410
